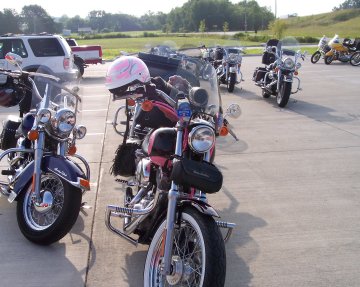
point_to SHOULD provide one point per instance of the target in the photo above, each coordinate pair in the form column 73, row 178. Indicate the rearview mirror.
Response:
column 233, row 111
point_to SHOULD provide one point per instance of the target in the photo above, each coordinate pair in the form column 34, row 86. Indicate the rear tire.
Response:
column 315, row 57
column 265, row 94
column 198, row 258
column 47, row 227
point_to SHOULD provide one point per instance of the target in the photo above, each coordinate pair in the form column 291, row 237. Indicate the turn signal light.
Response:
column 72, row 150
column 85, row 183
column 147, row 106
column 33, row 135
column 296, row 73
column 130, row 102
column 276, row 69
column 223, row 131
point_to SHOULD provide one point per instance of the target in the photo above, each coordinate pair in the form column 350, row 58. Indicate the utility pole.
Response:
column 275, row 8
column 245, row 22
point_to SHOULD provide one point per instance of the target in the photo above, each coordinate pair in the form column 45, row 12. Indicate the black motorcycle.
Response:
column 46, row 183
column 280, row 71
column 228, row 70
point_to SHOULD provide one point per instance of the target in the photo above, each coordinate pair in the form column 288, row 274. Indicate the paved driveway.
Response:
column 292, row 186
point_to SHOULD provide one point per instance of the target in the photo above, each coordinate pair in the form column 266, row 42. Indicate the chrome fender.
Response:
column 201, row 206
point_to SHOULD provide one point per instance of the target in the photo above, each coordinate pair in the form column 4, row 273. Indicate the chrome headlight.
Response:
column 232, row 57
column 289, row 63
column 44, row 116
column 63, row 122
column 201, row 139
column 298, row 65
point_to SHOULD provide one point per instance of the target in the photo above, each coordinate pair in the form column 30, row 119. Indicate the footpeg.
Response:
column 8, row 172
column 229, row 226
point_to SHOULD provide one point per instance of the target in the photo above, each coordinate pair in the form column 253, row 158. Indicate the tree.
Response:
column 348, row 4
column 9, row 21
column 202, row 26
column 226, row 27
column 37, row 20
column 278, row 28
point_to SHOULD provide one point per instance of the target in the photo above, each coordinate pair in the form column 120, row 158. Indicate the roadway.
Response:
column 291, row 184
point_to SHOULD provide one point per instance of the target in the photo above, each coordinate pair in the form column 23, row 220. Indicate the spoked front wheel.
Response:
column 315, row 57
column 198, row 257
column 49, row 223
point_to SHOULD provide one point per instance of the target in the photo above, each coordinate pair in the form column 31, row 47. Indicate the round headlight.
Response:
column 201, row 139
column 298, row 65
column 44, row 116
column 64, row 122
column 232, row 57
column 289, row 63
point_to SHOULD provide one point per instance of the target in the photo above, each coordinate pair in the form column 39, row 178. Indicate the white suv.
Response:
column 49, row 53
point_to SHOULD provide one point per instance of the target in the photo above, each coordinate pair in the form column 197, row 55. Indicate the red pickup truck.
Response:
column 85, row 55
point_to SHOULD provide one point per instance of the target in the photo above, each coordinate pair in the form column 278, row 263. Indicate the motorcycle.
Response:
column 46, row 183
column 323, row 48
column 341, row 51
column 280, row 71
column 229, row 72
column 165, row 202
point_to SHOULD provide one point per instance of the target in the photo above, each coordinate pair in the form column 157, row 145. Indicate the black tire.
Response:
column 355, row 59
column 283, row 96
column 328, row 59
column 206, row 236
column 63, row 217
column 232, row 81
column 80, row 68
column 315, row 57
column 265, row 94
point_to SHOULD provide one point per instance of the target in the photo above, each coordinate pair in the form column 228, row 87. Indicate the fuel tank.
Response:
column 162, row 144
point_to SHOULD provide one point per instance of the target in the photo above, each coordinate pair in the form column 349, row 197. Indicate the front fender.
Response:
column 61, row 166
column 201, row 206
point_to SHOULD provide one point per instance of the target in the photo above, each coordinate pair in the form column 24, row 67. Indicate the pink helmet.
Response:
column 124, row 71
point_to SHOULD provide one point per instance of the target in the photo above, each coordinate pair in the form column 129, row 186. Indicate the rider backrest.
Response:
column 269, row 58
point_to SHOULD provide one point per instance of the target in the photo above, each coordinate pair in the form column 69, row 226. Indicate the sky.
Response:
column 141, row 7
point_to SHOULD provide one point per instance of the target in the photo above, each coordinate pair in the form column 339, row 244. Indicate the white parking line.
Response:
column 98, row 110
column 95, row 134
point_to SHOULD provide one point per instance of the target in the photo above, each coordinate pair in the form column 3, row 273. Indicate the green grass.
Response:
column 113, row 47
column 345, row 23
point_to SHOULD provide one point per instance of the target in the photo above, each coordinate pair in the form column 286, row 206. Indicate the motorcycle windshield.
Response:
column 188, row 64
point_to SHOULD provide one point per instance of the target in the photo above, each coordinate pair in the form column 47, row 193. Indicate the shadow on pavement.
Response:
column 238, row 271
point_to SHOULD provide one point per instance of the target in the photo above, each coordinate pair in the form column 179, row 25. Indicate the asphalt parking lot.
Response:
column 291, row 184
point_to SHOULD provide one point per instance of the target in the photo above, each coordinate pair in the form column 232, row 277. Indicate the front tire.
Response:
column 231, row 84
column 198, row 258
column 315, row 57
column 355, row 59
column 47, row 227
column 283, row 96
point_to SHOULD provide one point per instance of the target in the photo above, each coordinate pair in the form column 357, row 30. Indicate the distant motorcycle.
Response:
column 341, row 51
column 280, row 71
column 323, row 48
column 47, row 185
column 228, row 71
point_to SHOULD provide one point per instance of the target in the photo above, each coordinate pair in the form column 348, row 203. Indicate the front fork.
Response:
column 171, row 211
column 39, row 153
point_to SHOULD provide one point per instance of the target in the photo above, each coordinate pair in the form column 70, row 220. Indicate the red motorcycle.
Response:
column 170, row 143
